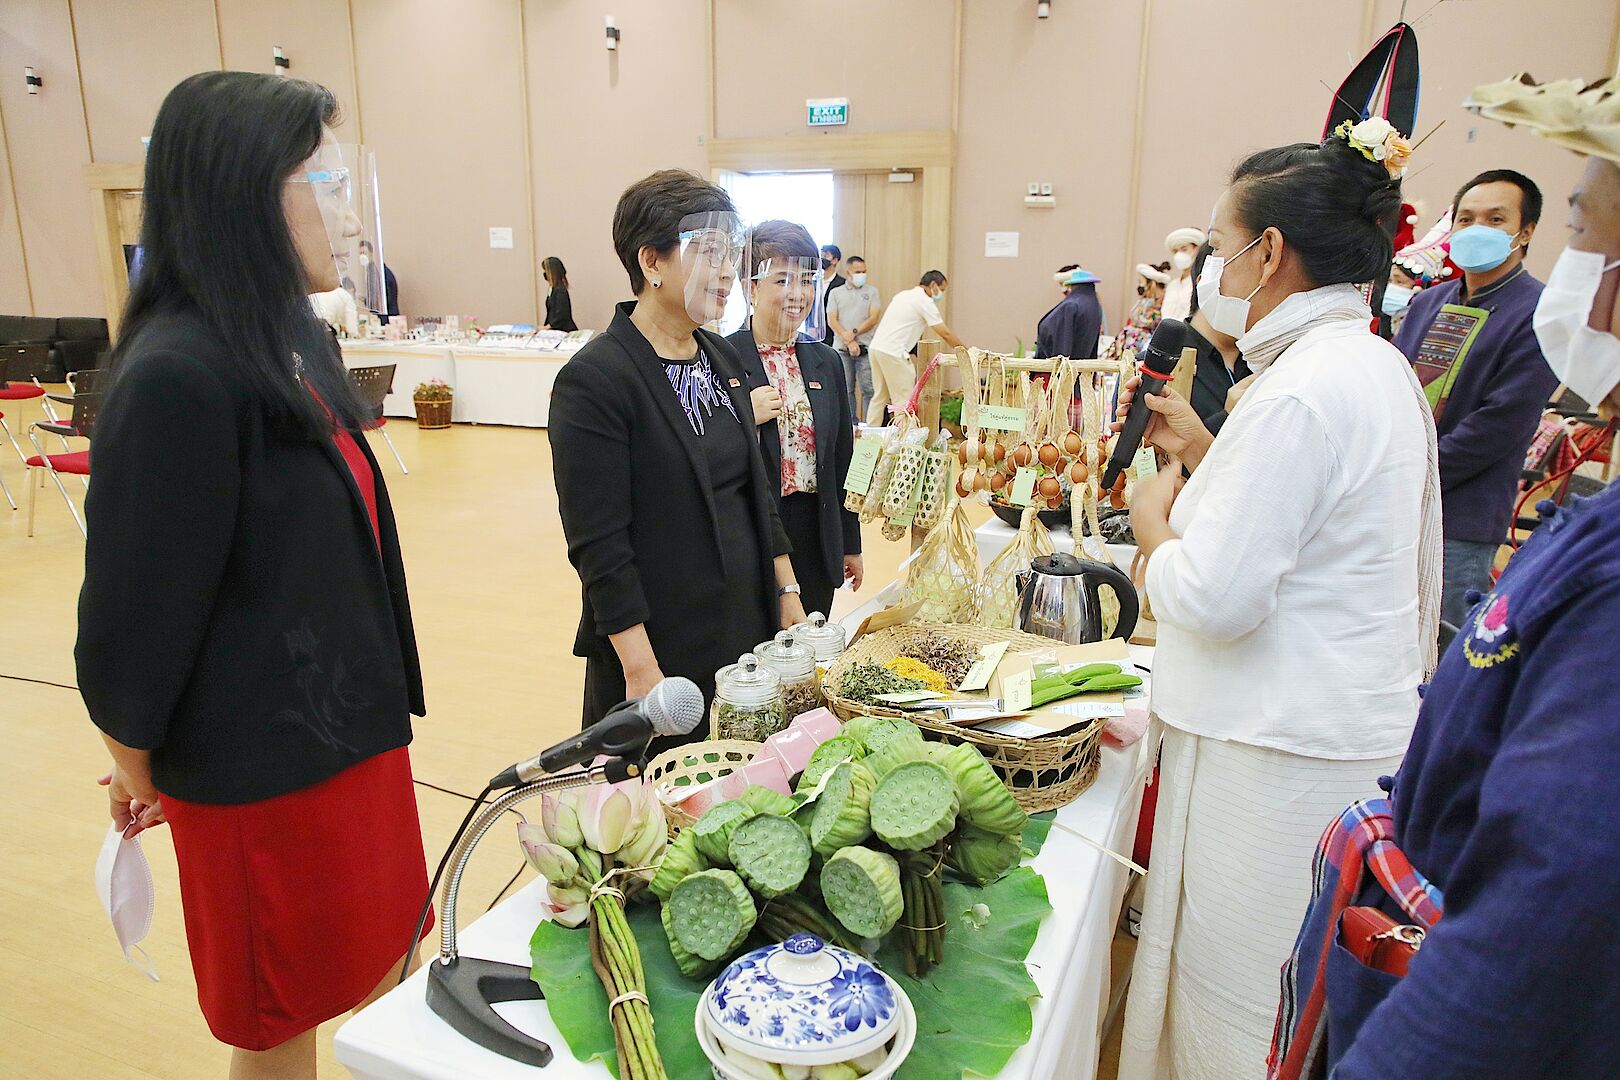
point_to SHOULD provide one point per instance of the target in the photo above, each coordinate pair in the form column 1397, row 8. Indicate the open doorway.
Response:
column 804, row 197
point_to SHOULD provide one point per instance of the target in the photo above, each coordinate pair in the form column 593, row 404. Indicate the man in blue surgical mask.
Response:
column 1475, row 352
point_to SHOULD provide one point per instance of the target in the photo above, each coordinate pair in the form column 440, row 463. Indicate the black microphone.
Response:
column 674, row 707
column 1159, row 362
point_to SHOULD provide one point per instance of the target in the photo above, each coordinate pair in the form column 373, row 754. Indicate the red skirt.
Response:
column 297, row 906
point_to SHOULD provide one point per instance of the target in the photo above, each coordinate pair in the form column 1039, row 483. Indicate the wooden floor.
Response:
column 495, row 603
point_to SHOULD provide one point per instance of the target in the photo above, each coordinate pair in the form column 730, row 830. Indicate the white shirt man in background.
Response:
column 909, row 315
column 852, row 316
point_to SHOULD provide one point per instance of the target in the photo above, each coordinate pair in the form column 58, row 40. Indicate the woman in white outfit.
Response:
column 1295, row 582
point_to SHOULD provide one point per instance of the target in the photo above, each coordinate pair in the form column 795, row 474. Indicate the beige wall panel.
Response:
column 313, row 33
column 893, row 240
column 440, row 86
column 46, row 136
column 13, row 278
column 130, row 56
column 892, row 60
column 602, row 120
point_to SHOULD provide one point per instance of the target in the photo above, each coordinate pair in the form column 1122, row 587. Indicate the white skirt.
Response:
column 1233, row 839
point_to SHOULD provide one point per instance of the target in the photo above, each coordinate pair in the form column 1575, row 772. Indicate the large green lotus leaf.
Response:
column 578, row 1004
column 984, row 967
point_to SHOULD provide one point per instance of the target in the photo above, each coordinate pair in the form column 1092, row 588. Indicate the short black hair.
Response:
column 650, row 211
column 1197, row 268
column 855, row 259
column 1335, row 207
column 933, row 277
column 778, row 240
column 837, row 254
column 1529, row 194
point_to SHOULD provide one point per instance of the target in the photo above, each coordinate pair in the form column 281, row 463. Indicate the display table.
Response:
column 493, row 384
column 399, row 1037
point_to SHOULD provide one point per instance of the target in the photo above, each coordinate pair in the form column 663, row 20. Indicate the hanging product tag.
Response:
column 1023, row 487
column 862, row 463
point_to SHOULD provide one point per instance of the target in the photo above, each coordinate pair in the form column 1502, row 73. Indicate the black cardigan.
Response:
column 560, row 310
column 236, row 617
column 1211, row 382
column 636, row 499
column 823, row 371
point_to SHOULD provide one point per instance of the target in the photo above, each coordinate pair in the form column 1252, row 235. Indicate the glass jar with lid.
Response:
column 794, row 661
column 826, row 639
column 748, row 701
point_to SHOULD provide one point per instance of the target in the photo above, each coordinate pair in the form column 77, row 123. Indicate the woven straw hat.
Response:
column 1584, row 117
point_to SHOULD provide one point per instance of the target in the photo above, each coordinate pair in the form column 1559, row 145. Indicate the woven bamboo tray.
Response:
column 693, row 765
column 1042, row 774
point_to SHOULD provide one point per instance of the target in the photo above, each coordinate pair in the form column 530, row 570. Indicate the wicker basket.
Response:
column 431, row 415
column 1042, row 774
column 693, row 765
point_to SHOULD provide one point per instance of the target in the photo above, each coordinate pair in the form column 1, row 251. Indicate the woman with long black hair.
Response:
column 559, row 308
column 245, row 640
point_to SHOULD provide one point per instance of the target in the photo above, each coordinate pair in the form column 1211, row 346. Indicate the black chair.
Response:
column 80, row 343
column 374, row 384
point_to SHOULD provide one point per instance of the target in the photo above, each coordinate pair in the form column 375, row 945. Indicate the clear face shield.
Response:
column 711, row 252
column 338, row 186
column 788, row 296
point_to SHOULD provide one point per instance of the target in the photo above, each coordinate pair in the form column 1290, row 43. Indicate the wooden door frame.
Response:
column 108, row 183
column 929, row 152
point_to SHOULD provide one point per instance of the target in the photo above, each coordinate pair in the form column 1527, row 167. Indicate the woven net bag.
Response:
column 946, row 571
column 997, row 599
column 936, row 480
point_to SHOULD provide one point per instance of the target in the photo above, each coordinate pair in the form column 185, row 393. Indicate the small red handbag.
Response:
column 1378, row 941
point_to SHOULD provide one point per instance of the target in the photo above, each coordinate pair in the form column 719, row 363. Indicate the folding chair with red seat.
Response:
column 75, row 463
column 15, row 391
column 375, row 384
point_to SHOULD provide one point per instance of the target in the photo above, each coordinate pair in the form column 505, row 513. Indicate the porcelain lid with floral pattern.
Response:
column 803, row 1002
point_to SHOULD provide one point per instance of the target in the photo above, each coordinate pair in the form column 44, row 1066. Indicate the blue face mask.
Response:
column 1396, row 297
column 1478, row 248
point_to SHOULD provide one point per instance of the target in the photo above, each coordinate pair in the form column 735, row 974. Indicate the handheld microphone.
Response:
column 1159, row 362
column 674, row 707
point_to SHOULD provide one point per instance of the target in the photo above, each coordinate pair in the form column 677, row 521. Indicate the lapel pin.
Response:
column 814, row 385
column 736, row 382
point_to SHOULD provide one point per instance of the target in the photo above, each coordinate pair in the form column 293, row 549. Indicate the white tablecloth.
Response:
column 493, row 385
column 399, row 1038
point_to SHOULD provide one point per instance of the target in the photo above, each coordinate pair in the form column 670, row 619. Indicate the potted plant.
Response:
column 434, row 399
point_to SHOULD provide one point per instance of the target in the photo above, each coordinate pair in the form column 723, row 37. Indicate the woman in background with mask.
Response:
column 1286, row 581
column 1145, row 313
column 806, row 428
column 1183, row 245
column 245, row 639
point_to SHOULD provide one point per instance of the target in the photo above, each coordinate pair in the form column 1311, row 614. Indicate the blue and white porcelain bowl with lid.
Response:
column 805, row 1002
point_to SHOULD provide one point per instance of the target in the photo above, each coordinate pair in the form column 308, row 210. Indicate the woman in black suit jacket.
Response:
column 559, row 308
column 802, row 408
column 245, row 640
column 670, row 519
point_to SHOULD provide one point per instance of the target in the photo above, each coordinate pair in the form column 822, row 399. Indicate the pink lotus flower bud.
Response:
column 553, row 862
column 605, row 820
column 561, row 819
column 566, row 896
column 571, row 917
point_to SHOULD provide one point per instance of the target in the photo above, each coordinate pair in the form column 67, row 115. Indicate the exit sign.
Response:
column 826, row 112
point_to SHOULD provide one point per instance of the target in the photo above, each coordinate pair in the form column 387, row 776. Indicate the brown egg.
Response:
column 1055, row 502
column 1049, row 486
column 1078, row 473
column 968, row 452
column 1022, row 455
column 982, row 481
column 1072, row 442
column 964, row 487
column 1049, row 454
column 997, row 452
column 998, row 481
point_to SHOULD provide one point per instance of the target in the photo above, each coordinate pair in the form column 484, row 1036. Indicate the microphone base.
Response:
column 463, row 991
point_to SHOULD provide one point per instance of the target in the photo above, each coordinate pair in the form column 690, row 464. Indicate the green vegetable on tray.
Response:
column 983, row 857
column 986, row 804
column 680, row 859
column 843, row 814
column 771, row 853
column 764, row 800
column 914, row 806
column 1090, row 679
column 712, row 832
column 825, row 756
column 862, row 890
column 711, row 913
column 691, row 965
column 863, row 683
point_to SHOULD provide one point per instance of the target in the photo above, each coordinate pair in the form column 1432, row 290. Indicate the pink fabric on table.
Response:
column 1127, row 730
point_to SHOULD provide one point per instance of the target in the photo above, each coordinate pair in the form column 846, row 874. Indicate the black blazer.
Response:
column 823, row 371
column 1211, row 382
column 637, row 502
column 236, row 618
column 560, row 310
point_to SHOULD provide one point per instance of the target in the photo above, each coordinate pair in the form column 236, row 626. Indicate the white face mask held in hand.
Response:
column 1585, row 360
column 124, row 883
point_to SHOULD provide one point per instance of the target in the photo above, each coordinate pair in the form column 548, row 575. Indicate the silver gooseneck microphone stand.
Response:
column 463, row 989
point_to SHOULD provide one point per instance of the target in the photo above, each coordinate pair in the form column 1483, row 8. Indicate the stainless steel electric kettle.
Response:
column 1057, row 598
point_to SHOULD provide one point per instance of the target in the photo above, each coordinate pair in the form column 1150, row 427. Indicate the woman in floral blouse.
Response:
column 802, row 408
